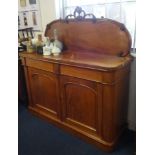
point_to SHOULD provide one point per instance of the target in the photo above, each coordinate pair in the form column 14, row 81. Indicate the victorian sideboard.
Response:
column 84, row 90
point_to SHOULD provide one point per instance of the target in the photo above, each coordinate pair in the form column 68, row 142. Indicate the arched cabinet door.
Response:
column 44, row 92
column 81, row 104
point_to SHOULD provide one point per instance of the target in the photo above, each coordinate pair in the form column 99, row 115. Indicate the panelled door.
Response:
column 44, row 92
column 81, row 100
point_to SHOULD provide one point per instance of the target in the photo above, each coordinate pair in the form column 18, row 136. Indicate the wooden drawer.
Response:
column 40, row 65
column 82, row 73
column 104, row 77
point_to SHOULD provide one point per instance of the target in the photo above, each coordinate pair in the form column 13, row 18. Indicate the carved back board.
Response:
column 102, row 35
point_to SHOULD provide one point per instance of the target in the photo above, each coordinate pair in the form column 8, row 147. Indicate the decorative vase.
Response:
column 56, row 42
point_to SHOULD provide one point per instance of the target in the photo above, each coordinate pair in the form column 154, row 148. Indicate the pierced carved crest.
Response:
column 79, row 15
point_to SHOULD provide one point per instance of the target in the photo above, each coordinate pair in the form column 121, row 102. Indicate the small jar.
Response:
column 46, row 50
column 56, row 51
column 39, row 45
column 30, row 47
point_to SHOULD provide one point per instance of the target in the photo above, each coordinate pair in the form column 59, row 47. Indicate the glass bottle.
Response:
column 47, row 48
column 30, row 48
column 57, row 43
column 39, row 44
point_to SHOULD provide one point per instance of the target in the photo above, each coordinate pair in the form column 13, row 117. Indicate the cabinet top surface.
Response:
column 85, row 59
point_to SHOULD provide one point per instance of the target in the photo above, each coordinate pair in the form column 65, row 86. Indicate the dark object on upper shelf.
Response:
column 25, row 33
column 80, row 14
column 39, row 49
column 23, row 36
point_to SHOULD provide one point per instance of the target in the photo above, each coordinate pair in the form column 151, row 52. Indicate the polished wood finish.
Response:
column 43, row 97
column 103, row 36
column 22, row 94
column 81, row 109
column 81, row 91
column 78, row 72
column 40, row 65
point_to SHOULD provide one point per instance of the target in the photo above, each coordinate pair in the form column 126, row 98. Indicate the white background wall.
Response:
column 48, row 12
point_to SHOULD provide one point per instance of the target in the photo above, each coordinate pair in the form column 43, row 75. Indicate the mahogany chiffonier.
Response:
column 84, row 90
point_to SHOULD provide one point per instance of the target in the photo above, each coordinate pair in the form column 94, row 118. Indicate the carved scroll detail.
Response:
column 80, row 15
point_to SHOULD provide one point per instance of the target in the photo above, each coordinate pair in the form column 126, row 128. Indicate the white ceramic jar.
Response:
column 46, row 50
column 56, row 51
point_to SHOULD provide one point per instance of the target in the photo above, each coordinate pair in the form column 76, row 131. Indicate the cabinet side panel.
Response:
column 28, row 86
column 115, row 104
